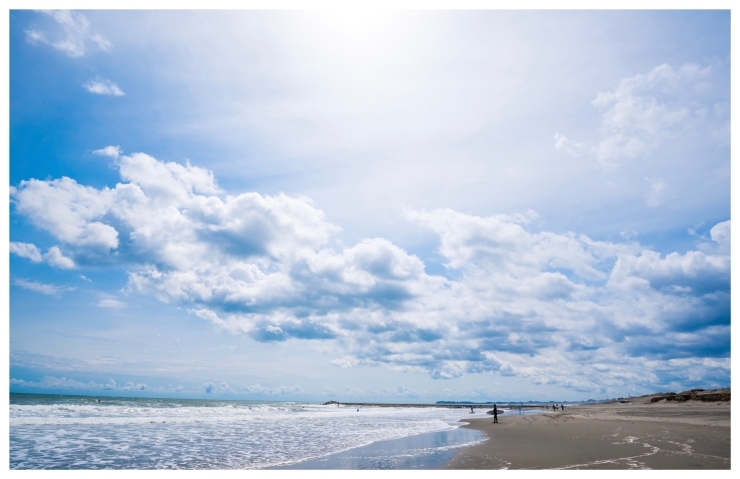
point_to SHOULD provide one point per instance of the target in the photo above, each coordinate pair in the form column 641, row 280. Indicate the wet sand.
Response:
column 691, row 435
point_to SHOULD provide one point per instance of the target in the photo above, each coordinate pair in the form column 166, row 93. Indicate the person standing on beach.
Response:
column 495, row 414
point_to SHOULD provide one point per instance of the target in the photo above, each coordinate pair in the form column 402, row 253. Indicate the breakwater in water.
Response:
column 441, row 405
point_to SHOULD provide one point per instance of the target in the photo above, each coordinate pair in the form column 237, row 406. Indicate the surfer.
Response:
column 495, row 414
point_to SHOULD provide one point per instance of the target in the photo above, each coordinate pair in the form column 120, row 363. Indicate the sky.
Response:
column 397, row 206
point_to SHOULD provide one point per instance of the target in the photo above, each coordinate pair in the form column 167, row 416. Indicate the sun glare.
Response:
column 358, row 26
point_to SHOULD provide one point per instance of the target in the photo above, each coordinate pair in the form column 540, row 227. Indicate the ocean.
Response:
column 77, row 432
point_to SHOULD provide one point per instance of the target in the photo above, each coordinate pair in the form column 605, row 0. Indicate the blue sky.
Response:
column 387, row 206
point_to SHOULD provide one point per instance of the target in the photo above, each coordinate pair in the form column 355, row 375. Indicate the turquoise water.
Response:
column 78, row 432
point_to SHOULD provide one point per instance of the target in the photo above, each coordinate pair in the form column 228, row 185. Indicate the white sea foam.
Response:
column 172, row 434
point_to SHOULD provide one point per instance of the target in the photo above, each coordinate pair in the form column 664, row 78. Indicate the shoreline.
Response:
column 425, row 451
column 639, row 435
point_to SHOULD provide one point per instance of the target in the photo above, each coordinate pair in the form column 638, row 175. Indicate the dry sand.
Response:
column 639, row 435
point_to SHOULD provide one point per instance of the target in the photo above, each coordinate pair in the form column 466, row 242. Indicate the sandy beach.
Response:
column 635, row 435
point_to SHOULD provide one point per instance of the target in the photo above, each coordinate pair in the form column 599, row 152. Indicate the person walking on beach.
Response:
column 495, row 414
column 562, row 408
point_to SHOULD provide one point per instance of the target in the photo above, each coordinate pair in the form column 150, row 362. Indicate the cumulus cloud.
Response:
column 100, row 86
column 647, row 109
column 65, row 208
column 26, row 250
column 110, row 151
column 253, row 389
column 222, row 388
column 556, row 308
column 720, row 234
column 633, row 116
column 130, row 386
column 73, row 34
column 54, row 256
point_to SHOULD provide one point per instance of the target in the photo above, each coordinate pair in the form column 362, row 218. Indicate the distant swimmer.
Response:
column 471, row 410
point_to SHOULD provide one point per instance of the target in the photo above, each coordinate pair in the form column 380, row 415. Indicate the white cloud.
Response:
column 65, row 383
column 346, row 362
column 34, row 36
column 571, row 147
column 65, row 208
column 110, row 151
column 52, row 382
column 694, row 269
column 657, row 192
column 222, row 388
column 538, row 304
column 100, row 86
column 646, row 110
column 26, row 250
column 72, row 36
column 55, row 258
column 720, row 233
column 49, row 289
column 130, row 386
column 321, row 99
column 260, row 390
column 111, row 304
column 635, row 120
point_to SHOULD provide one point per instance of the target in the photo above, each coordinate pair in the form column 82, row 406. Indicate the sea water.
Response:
column 78, row 432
